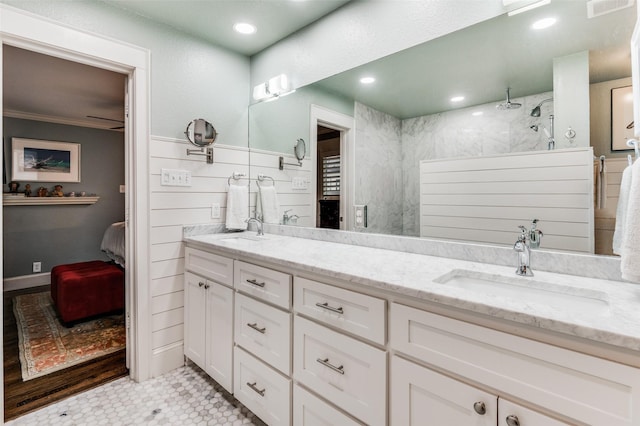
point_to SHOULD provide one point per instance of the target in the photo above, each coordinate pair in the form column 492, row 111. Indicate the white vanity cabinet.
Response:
column 262, row 361
column 565, row 384
column 208, row 311
column 350, row 373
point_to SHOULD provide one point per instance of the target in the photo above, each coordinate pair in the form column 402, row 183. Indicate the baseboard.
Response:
column 167, row 358
column 26, row 281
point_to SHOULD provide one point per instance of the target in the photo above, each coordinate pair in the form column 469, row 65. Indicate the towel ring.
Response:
column 236, row 176
column 262, row 177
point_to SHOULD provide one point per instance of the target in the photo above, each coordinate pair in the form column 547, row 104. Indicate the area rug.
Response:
column 47, row 346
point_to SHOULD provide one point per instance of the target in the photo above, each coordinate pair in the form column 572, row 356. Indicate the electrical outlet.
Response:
column 360, row 216
column 123, row 188
column 215, row 211
column 37, row 267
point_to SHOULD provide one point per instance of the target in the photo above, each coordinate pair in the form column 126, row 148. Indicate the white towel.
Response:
column 267, row 204
column 630, row 262
column 237, row 207
column 621, row 210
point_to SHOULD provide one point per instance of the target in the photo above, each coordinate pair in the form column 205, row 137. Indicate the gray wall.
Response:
column 64, row 234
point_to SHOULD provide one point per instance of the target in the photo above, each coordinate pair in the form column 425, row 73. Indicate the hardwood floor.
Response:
column 23, row 397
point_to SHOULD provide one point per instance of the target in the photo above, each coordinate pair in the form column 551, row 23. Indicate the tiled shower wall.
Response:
column 389, row 151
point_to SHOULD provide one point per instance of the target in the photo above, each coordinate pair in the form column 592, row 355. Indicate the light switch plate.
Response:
column 171, row 177
column 299, row 183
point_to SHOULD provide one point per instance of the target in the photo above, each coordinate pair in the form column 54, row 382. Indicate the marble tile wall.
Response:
column 378, row 169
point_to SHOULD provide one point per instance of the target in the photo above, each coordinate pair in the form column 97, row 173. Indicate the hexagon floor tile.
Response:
column 185, row 396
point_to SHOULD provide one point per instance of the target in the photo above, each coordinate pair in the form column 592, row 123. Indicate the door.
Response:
column 219, row 334
column 512, row 414
column 194, row 318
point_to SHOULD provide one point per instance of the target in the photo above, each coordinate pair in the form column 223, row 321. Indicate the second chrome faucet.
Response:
column 527, row 240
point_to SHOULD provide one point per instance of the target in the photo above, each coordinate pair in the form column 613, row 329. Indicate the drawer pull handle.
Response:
column 256, row 390
column 513, row 420
column 326, row 306
column 326, row 363
column 480, row 408
column 255, row 282
column 200, row 284
column 256, row 328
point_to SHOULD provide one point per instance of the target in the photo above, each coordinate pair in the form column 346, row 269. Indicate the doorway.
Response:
column 328, row 178
column 27, row 31
column 331, row 135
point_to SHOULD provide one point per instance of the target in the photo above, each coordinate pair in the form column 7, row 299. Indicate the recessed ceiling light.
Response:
column 367, row 80
column 543, row 23
column 244, row 28
column 477, row 113
column 457, row 99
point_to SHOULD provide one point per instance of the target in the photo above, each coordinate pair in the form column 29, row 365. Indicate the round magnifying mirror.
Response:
column 300, row 149
column 201, row 133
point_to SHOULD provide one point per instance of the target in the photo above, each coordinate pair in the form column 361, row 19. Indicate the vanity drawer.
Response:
column 263, row 283
column 209, row 265
column 345, row 371
column 261, row 389
column 264, row 331
column 585, row 388
column 356, row 313
column 309, row 410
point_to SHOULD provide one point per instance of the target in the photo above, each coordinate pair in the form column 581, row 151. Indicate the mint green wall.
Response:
column 190, row 78
column 276, row 125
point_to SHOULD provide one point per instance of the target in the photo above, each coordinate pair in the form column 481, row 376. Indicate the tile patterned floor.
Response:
column 186, row 396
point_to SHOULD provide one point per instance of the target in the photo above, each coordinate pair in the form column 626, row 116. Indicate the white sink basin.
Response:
column 244, row 237
column 528, row 291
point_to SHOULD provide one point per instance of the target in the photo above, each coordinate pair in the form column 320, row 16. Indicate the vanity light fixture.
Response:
column 457, row 99
column 367, row 80
column 244, row 28
column 276, row 87
column 543, row 23
column 527, row 5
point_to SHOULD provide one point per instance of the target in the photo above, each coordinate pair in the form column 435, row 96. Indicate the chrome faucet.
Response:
column 526, row 240
column 258, row 224
column 286, row 219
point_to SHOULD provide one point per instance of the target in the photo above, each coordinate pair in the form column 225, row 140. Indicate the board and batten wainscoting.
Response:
column 485, row 199
column 173, row 207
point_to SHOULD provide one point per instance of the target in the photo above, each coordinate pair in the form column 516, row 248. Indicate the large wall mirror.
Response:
column 561, row 77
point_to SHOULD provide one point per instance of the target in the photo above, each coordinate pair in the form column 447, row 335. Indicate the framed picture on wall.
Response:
column 621, row 118
column 44, row 161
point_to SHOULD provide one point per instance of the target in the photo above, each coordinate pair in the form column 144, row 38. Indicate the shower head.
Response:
column 535, row 112
column 508, row 104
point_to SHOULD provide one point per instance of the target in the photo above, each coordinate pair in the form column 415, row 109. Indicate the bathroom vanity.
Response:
column 307, row 332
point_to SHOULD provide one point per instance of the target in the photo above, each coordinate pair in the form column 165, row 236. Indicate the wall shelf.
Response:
column 21, row 200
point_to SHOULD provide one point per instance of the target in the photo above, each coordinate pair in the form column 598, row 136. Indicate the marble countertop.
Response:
column 599, row 310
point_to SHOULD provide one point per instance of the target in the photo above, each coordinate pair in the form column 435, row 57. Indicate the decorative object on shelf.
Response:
column 201, row 133
column 57, row 191
column 43, row 192
column 13, row 187
column 45, row 161
column 27, row 190
column 300, row 150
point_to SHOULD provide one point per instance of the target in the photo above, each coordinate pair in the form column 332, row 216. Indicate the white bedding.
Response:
column 113, row 243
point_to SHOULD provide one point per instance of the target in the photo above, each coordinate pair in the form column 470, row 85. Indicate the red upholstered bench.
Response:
column 85, row 289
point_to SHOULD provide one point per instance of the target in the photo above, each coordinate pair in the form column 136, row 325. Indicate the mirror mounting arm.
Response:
column 207, row 153
column 281, row 163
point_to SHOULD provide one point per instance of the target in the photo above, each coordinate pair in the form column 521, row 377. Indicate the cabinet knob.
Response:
column 480, row 407
column 200, row 284
column 206, row 286
column 513, row 420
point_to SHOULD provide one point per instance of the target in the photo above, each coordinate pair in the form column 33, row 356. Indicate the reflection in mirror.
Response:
column 409, row 115
column 201, row 133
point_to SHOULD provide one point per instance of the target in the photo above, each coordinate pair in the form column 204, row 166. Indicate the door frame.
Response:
column 31, row 32
column 346, row 125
